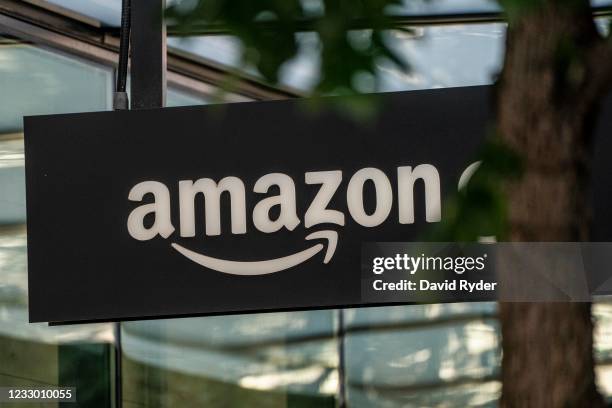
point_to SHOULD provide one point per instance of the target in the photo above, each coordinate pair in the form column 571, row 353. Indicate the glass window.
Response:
column 176, row 96
column 179, row 97
column 602, row 313
column 265, row 360
column 439, row 56
column 445, row 56
column 38, row 81
column 108, row 12
column 425, row 355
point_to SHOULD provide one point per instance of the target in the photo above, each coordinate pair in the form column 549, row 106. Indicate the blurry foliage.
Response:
column 268, row 32
column 479, row 209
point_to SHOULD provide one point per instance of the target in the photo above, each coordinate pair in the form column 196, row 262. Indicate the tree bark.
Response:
column 556, row 70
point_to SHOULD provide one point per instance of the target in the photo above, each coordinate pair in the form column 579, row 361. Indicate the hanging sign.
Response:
column 245, row 207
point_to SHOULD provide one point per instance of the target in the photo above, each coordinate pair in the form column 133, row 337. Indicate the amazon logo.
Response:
column 318, row 211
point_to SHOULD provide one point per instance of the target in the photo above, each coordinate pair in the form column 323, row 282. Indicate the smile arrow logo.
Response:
column 268, row 266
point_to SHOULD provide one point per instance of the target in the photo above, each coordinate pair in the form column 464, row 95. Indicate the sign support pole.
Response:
column 148, row 90
column 148, row 45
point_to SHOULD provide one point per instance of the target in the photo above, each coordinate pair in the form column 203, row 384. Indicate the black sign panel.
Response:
column 244, row 207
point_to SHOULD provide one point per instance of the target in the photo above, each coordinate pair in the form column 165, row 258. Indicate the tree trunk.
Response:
column 547, row 98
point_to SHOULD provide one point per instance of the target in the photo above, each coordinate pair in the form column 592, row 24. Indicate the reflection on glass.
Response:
column 108, row 12
column 602, row 313
column 35, row 81
column 12, row 180
column 422, row 355
column 440, row 56
column 266, row 360
column 177, row 97
column 446, row 56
